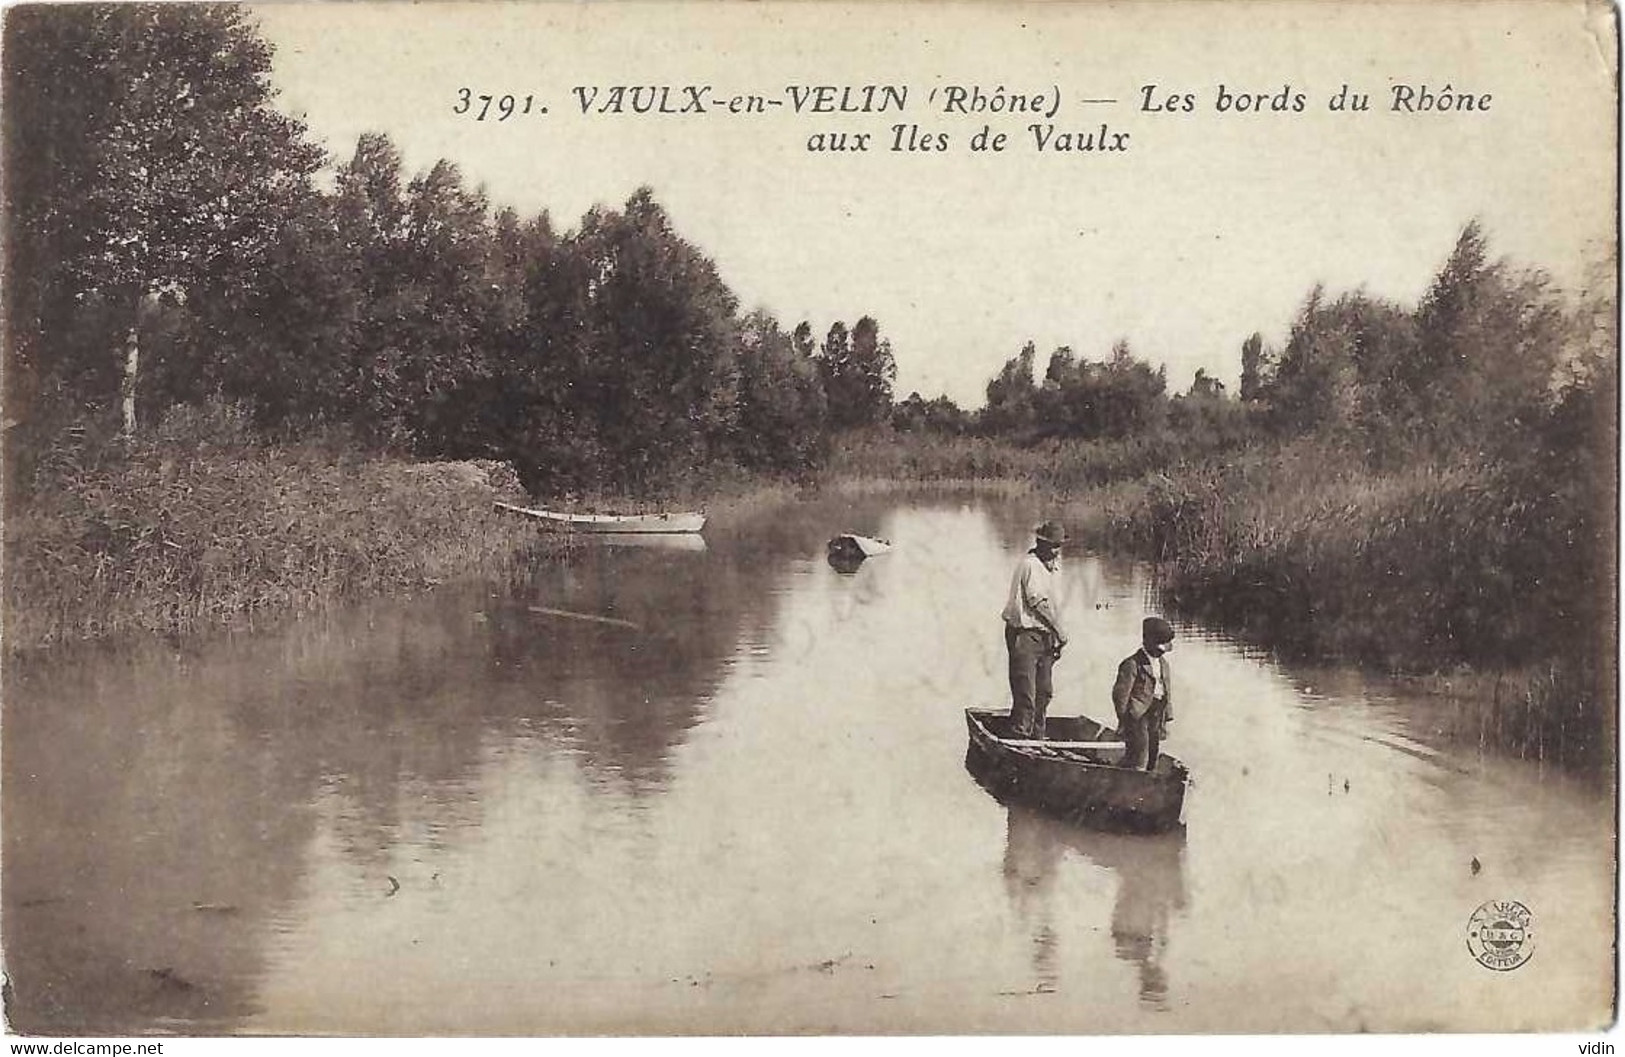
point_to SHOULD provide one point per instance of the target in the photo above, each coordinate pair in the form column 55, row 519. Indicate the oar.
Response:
column 565, row 613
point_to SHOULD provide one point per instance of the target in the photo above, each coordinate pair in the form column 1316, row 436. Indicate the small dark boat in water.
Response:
column 1074, row 773
column 848, row 551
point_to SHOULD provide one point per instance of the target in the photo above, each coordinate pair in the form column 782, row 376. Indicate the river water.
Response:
column 737, row 802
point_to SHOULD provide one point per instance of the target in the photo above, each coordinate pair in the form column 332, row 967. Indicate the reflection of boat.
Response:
column 663, row 541
column 1073, row 775
column 848, row 551
column 616, row 523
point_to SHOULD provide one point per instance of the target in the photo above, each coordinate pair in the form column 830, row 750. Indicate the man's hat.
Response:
column 1050, row 532
column 1156, row 630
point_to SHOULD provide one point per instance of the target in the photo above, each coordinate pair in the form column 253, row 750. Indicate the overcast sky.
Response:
column 1207, row 227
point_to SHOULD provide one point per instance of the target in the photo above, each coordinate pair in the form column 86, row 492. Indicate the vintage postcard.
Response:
column 913, row 518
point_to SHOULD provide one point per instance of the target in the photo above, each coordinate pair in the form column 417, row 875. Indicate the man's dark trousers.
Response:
column 1031, row 659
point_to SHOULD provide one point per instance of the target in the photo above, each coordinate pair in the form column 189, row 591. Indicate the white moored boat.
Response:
column 613, row 523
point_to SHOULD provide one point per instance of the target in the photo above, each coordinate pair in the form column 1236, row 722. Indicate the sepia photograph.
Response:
column 924, row 518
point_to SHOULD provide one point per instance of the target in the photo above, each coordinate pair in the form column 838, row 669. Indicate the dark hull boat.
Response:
column 1074, row 774
column 847, row 551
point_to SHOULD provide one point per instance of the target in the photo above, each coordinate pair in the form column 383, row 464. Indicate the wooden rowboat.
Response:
column 850, row 543
column 1074, row 774
column 848, row 551
column 612, row 523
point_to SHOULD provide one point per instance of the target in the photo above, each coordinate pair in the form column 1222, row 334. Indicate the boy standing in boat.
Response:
column 1032, row 631
column 1142, row 695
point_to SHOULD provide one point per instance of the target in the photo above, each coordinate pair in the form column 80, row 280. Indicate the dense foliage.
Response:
column 1430, row 487
column 174, row 249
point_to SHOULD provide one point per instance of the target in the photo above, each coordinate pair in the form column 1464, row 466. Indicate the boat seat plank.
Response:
column 1023, row 743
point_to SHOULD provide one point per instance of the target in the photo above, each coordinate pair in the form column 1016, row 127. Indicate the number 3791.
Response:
column 493, row 107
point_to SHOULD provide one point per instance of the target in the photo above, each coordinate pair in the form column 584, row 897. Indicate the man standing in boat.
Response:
column 1142, row 695
column 1032, row 630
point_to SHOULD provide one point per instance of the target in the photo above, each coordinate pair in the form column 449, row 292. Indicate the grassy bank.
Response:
column 1423, row 564
column 1488, row 583
column 1472, row 574
column 203, row 523
column 170, row 535
column 1055, row 466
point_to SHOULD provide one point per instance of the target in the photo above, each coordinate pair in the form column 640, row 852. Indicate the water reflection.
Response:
column 1149, row 876
column 1150, row 891
column 161, row 797
column 691, row 542
column 617, row 652
column 724, row 793
column 1032, row 855
column 846, row 562
column 148, row 846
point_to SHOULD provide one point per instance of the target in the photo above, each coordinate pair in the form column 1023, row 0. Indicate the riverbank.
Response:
column 1487, row 583
column 204, row 524
column 1057, row 467
column 1447, row 576
column 172, row 537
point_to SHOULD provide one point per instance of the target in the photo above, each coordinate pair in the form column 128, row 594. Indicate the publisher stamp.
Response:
column 1501, row 935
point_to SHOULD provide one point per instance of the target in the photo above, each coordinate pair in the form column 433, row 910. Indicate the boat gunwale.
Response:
column 1037, row 752
column 1108, row 811
column 685, row 522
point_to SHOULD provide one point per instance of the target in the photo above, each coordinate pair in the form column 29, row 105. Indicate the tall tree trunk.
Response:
column 145, row 306
column 132, row 367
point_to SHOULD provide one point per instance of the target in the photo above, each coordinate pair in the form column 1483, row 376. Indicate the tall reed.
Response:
column 1428, row 569
column 1051, row 465
column 168, row 536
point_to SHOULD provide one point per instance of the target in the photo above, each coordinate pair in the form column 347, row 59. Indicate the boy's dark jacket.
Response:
column 1131, row 693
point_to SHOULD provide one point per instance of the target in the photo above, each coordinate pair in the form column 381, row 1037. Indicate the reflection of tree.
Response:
column 1151, row 888
column 148, row 843
column 624, row 693
column 160, row 798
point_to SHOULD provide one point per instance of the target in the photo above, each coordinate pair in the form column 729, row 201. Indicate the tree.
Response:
column 660, row 338
column 1468, row 371
column 143, row 158
column 1337, row 372
column 370, row 216
column 833, row 355
column 1113, row 400
column 1204, row 387
column 781, row 399
column 863, row 384
column 549, row 426
column 1489, row 343
column 858, row 371
column 435, row 300
column 939, row 415
column 1252, row 367
column 802, row 339
column 1133, row 396
column 1062, row 367
column 453, row 319
column 1010, row 395
column 487, row 416
column 281, row 346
